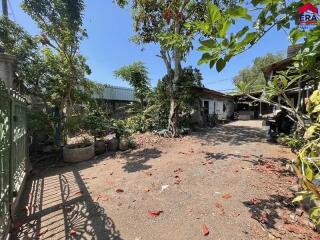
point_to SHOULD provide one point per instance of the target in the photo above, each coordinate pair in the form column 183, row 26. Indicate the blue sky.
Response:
column 108, row 47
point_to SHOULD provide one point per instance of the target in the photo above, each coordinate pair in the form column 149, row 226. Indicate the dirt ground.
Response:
column 226, row 183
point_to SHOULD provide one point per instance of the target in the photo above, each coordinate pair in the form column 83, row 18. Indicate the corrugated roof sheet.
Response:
column 116, row 93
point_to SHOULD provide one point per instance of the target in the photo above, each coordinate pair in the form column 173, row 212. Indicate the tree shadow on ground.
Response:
column 234, row 135
column 221, row 156
column 59, row 206
column 267, row 211
column 263, row 161
column 136, row 159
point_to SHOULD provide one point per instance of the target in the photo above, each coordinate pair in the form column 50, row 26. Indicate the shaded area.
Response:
column 233, row 135
column 59, row 206
column 221, row 156
column 136, row 160
column 267, row 211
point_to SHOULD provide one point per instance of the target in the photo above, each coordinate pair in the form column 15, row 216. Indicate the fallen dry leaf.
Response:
column 79, row 193
column 155, row 213
column 294, row 228
column 218, row 205
column 205, row 230
column 226, row 196
column 254, row 201
column 73, row 232
column 148, row 173
column 119, row 190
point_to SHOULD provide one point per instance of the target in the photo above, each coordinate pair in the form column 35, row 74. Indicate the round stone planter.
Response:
column 100, row 147
column 124, row 144
column 113, row 144
column 76, row 153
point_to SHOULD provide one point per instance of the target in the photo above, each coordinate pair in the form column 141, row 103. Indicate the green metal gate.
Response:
column 13, row 150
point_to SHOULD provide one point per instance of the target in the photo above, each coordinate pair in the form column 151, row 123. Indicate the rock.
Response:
column 294, row 188
column 100, row 147
column 124, row 144
column 299, row 212
column 113, row 144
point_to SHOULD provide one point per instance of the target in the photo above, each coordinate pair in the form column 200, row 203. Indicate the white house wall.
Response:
column 216, row 106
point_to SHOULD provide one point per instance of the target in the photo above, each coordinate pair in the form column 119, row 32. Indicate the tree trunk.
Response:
column 174, row 106
column 173, row 118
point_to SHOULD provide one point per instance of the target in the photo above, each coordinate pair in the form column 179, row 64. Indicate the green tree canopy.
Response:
column 136, row 75
column 166, row 23
column 253, row 76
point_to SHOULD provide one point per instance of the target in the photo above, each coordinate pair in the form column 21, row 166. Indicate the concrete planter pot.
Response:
column 76, row 153
column 113, row 144
column 100, row 147
column 123, row 144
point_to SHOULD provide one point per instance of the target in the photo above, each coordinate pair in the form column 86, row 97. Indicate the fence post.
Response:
column 11, row 154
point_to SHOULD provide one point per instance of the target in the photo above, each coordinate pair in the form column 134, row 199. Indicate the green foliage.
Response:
column 221, row 42
column 136, row 75
column 308, row 162
column 170, row 24
column 120, row 129
column 295, row 142
column 62, row 82
column 252, row 77
column 97, row 123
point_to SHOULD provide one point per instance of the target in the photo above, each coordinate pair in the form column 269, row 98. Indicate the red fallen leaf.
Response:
column 226, row 196
column 73, row 232
column 294, row 228
column 79, row 193
column 235, row 214
column 154, row 213
column 119, row 190
column 254, row 201
column 205, row 230
column 103, row 198
column 218, row 205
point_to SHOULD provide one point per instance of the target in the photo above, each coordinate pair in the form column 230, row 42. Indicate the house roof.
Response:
column 210, row 93
column 116, row 93
column 277, row 66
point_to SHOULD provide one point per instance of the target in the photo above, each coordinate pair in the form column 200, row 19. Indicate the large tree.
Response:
column 253, row 76
column 60, row 22
column 165, row 22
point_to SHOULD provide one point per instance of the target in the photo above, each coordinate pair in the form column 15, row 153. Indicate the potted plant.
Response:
column 98, row 126
column 122, row 136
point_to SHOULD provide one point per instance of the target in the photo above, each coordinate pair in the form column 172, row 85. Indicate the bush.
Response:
column 295, row 142
column 97, row 124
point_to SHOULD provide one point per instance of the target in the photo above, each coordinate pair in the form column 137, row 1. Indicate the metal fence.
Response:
column 13, row 150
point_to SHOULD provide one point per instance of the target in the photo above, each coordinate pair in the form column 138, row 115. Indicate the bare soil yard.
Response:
column 226, row 183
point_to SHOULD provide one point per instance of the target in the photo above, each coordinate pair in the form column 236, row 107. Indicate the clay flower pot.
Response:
column 100, row 147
